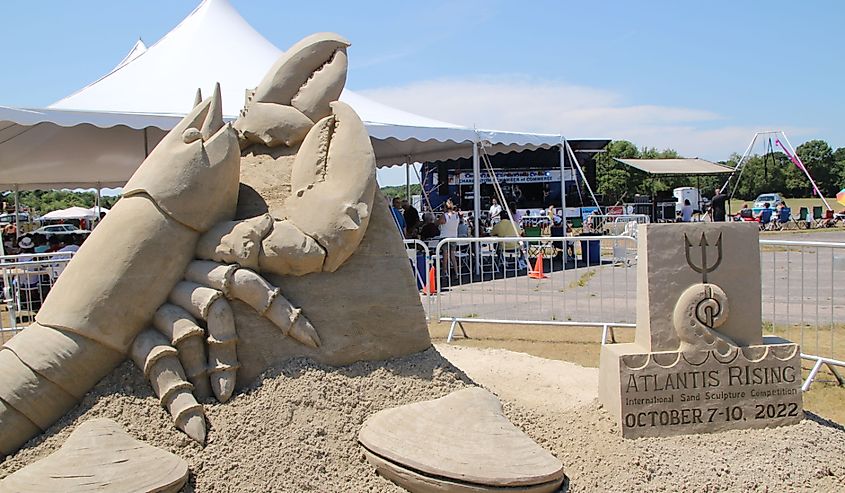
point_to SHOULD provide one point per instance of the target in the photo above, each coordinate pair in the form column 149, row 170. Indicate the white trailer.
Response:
column 692, row 194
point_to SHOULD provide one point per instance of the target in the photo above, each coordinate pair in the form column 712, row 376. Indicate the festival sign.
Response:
column 699, row 362
column 465, row 178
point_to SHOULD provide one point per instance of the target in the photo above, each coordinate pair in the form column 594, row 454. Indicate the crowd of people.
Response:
column 452, row 223
column 34, row 272
column 34, row 243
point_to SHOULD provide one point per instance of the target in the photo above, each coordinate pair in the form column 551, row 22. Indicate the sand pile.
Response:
column 575, row 428
column 295, row 430
column 807, row 457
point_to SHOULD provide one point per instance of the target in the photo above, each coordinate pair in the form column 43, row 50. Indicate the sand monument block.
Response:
column 699, row 362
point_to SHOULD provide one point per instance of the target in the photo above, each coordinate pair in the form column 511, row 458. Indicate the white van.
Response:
column 699, row 203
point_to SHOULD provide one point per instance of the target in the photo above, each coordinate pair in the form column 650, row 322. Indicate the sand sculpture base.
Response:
column 100, row 457
column 672, row 393
column 460, row 443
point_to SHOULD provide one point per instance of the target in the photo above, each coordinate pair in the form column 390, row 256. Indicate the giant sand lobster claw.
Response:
column 154, row 278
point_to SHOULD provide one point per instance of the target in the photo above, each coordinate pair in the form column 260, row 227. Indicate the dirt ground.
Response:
column 580, row 345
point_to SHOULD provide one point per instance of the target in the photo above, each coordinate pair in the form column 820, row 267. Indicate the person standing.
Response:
column 686, row 211
column 717, row 205
column 517, row 194
column 412, row 219
column 397, row 215
column 449, row 222
column 495, row 212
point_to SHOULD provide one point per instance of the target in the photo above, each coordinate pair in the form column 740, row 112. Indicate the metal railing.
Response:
column 420, row 257
column 616, row 224
column 804, row 299
column 569, row 281
column 492, row 282
column 26, row 281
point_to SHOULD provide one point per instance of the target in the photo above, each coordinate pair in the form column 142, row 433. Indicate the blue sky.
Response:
column 699, row 77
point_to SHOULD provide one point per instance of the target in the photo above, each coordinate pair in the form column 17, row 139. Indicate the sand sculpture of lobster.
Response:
column 154, row 279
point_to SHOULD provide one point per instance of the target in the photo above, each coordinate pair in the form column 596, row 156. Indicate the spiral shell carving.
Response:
column 701, row 309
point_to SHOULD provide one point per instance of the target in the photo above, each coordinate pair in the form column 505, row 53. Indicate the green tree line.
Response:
column 40, row 202
column 399, row 190
column 769, row 172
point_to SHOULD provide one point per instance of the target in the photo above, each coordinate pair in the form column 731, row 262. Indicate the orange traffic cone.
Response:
column 537, row 273
column 431, row 287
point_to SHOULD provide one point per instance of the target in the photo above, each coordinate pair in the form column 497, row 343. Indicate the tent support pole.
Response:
column 739, row 167
column 99, row 213
column 563, row 183
column 17, row 214
column 698, row 187
column 146, row 144
column 408, row 179
column 476, row 202
column 583, row 176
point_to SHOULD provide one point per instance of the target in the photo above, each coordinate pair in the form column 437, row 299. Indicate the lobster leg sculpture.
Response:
column 154, row 279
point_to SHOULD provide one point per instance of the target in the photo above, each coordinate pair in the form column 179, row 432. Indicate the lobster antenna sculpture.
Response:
column 160, row 293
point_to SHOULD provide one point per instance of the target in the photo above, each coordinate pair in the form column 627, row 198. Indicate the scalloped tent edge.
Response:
column 99, row 135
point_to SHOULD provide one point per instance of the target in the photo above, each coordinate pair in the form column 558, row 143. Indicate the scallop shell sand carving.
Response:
column 100, row 457
column 460, row 443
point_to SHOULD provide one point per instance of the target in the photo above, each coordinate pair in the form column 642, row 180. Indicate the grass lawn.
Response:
column 794, row 204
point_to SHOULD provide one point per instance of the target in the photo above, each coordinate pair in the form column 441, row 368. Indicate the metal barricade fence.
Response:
column 27, row 280
column 569, row 281
column 421, row 267
column 591, row 281
column 803, row 300
column 616, row 224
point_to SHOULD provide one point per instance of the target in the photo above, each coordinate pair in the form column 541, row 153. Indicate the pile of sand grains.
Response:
column 571, row 424
column 295, row 430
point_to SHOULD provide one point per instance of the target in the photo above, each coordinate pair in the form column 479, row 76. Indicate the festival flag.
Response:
column 792, row 158
column 840, row 197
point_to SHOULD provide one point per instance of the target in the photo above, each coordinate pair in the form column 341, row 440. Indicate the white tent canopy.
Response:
column 99, row 135
column 137, row 49
column 70, row 213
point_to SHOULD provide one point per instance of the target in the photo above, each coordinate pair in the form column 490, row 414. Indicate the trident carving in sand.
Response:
column 703, row 269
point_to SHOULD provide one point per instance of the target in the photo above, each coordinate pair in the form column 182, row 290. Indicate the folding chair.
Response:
column 783, row 219
column 817, row 215
column 826, row 220
column 28, row 292
column 462, row 255
column 801, row 222
column 488, row 258
column 765, row 219
column 510, row 256
column 534, row 247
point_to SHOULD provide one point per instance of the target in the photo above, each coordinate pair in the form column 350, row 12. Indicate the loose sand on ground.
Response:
column 295, row 429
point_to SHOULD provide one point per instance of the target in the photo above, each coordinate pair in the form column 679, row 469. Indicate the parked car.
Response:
column 60, row 229
column 773, row 199
column 5, row 219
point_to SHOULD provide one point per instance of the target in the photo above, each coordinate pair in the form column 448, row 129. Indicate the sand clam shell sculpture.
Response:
column 460, row 443
column 100, row 456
